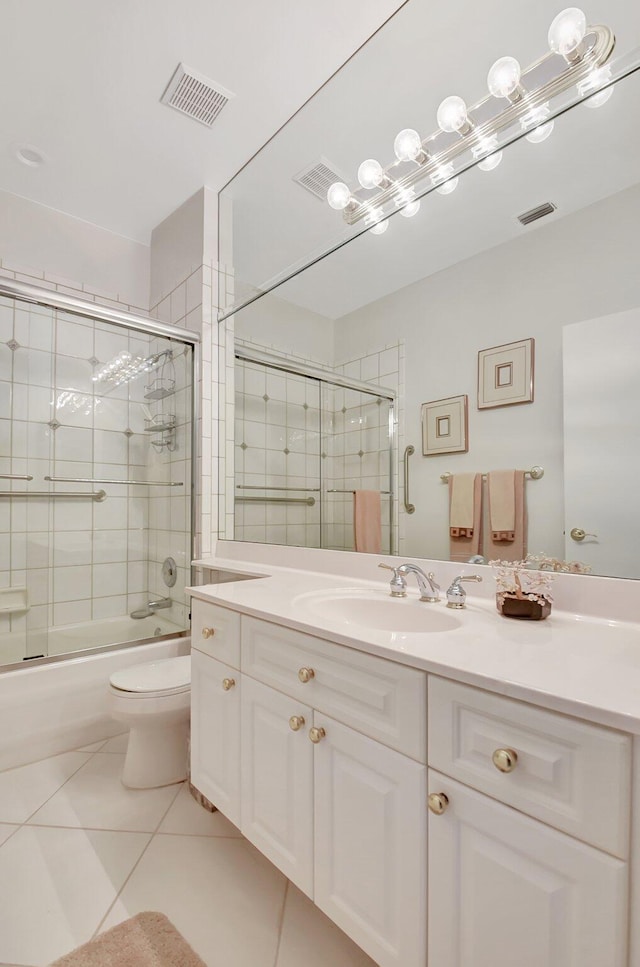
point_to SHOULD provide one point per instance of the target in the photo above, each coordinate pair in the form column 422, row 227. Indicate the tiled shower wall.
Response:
column 79, row 559
column 289, row 433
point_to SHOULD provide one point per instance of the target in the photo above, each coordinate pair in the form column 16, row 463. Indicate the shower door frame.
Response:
column 251, row 354
column 21, row 292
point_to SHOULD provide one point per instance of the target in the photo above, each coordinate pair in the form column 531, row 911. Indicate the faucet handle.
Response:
column 456, row 594
column 397, row 584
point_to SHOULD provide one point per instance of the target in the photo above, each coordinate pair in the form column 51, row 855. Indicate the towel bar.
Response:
column 535, row 473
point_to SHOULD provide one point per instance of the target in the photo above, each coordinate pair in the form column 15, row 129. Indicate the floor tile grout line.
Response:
column 281, row 921
column 137, row 863
column 24, row 822
column 54, row 755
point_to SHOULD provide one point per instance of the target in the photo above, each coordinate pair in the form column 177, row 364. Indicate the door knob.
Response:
column 505, row 759
column 296, row 722
column 438, row 802
column 316, row 735
column 577, row 534
column 228, row 683
column 306, row 674
column 208, row 632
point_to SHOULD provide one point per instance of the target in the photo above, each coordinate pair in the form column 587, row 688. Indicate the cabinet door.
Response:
column 215, row 733
column 506, row 890
column 277, row 780
column 370, row 838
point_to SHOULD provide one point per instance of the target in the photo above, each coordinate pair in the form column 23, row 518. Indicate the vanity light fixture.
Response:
column 577, row 56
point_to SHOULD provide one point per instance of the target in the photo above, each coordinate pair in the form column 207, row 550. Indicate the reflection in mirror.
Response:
column 466, row 301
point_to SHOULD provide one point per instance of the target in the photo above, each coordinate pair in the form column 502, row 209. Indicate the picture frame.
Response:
column 506, row 374
column 445, row 426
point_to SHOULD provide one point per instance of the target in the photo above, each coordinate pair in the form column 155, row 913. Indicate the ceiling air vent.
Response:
column 318, row 177
column 535, row 213
column 193, row 94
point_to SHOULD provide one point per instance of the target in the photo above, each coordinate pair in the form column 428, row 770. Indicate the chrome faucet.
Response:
column 426, row 583
column 456, row 594
column 159, row 604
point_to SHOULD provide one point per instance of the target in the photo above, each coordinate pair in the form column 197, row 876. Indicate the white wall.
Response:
column 286, row 328
column 55, row 247
column 572, row 269
column 177, row 247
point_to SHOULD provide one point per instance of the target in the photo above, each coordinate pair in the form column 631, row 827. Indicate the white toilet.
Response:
column 153, row 700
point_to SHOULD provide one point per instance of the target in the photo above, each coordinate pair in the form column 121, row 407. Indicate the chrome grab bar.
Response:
column 408, row 452
column 15, row 476
column 101, row 480
column 309, row 501
column 313, row 490
column 98, row 495
column 384, row 493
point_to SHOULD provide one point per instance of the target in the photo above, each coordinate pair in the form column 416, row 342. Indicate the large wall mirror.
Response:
column 389, row 340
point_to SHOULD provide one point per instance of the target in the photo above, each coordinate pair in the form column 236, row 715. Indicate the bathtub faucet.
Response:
column 159, row 604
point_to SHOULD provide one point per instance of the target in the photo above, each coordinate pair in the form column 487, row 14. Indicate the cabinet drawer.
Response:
column 382, row 699
column 224, row 643
column 570, row 774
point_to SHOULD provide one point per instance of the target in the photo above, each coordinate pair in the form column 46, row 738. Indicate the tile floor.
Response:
column 79, row 853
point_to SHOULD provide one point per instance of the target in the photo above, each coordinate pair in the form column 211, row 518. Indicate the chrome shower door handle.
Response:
column 408, row 452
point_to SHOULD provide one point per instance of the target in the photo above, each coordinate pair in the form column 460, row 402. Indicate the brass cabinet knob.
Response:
column 228, row 683
column 296, row 722
column 505, row 759
column 578, row 534
column 208, row 632
column 316, row 735
column 438, row 802
column 306, row 674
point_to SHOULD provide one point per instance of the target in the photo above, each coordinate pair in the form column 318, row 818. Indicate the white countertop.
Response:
column 583, row 666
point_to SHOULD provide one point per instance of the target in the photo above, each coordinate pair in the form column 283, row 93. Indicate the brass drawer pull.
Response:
column 228, row 683
column 306, row 674
column 505, row 759
column 208, row 632
column 438, row 802
column 316, row 735
column 296, row 722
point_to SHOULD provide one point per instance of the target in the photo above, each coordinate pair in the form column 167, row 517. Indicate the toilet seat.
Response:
column 168, row 676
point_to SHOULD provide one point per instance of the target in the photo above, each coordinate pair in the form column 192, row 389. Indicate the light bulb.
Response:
column 440, row 175
column 503, row 78
column 541, row 133
column 380, row 227
column 407, row 145
column 595, row 79
column 339, row 195
column 452, row 115
column 566, row 33
column 411, row 209
column 600, row 98
column 488, row 164
column 448, row 187
column 370, row 173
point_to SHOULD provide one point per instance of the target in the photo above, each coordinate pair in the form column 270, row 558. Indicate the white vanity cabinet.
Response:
column 506, row 888
column 337, row 811
column 215, row 733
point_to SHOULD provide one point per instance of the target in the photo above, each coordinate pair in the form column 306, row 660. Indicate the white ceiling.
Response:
column 424, row 53
column 82, row 79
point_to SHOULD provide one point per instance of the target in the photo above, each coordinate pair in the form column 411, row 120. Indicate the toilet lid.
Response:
column 154, row 676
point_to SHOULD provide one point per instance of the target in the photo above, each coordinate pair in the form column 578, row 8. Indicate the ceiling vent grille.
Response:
column 535, row 213
column 195, row 95
column 318, row 177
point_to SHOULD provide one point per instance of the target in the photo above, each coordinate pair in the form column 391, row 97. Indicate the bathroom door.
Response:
column 602, row 443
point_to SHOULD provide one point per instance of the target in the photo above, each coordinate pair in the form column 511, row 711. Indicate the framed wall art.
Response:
column 445, row 426
column 505, row 374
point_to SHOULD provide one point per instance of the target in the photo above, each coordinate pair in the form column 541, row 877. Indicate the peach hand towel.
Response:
column 507, row 539
column 465, row 515
column 367, row 521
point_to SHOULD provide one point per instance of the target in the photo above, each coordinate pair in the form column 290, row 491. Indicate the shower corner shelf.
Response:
column 164, row 425
column 160, row 389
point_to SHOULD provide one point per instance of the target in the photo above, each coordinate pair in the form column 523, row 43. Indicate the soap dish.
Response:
column 13, row 600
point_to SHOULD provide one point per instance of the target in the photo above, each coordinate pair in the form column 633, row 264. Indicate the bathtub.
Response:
column 108, row 631
column 51, row 706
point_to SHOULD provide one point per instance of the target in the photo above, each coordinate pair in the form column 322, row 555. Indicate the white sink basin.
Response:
column 377, row 611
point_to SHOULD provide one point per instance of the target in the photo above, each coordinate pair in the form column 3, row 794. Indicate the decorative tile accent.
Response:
column 286, row 451
column 361, row 453
column 243, row 446
column 128, row 432
column 93, row 361
column 265, row 398
column 54, row 424
column 13, row 345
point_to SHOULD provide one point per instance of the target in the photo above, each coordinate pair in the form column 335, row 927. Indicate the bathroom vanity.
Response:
column 458, row 795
